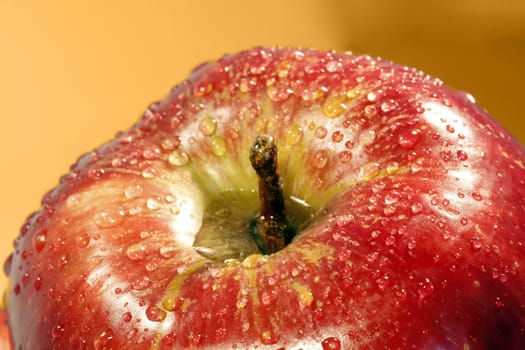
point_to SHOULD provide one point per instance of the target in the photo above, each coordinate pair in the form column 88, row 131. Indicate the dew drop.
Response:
column 345, row 156
column 477, row 196
column 39, row 240
column 371, row 96
column 108, row 219
column 136, row 252
column 151, row 153
column 334, row 106
column 178, row 158
column 320, row 132
column 388, row 106
column 103, row 340
column 37, row 284
column 149, row 173
column 8, row 264
column 126, row 317
column 320, row 159
column 463, row 221
column 331, row 343
column 140, row 283
column 133, row 191
column 367, row 137
column 392, row 167
column 392, row 198
column 334, row 66
column 425, row 289
column 269, row 338
column 476, row 244
column 462, row 155
column 499, row 303
column 152, row 204
column 337, row 136
column 82, row 240
column 155, row 314
column 167, row 252
column 208, row 126
column 268, row 297
column 57, row 331
column 218, row 146
column 409, row 139
column 294, row 135
column 370, row 111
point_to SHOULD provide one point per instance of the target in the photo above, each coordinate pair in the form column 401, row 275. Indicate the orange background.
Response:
column 72, row 73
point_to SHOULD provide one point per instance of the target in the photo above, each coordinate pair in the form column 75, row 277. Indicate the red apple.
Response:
column 398, row 208
column 5, row 342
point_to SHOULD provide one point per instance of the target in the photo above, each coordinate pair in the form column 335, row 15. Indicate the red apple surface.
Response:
column 405, row 202
column 5, row 342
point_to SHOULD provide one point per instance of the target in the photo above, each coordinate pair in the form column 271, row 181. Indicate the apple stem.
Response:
column 272, row 231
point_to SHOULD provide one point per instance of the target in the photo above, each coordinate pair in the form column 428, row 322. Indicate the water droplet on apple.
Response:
column 499, row 303
column 409, row 139
column 103, row 340
column 462, row 155
column 208, row 126
column 345, row 156
column 169, row 339
column 57, row 331
column 140, row 283
column 37, row 284
column 334, row 66
column 151, row 152
column 39, row 240
column 167, row 252
column 334, row 106
column 294, row 135
column 416, row 208
column 152, row 265
column 152, row 204
column 463, row 221
column 425, row 288
column 320, row 159
column 127, row 317
column 155, row 314
column 388, row 106
column 331, row 343
column 476, row 244
column 269, row 338
column 195, row 339
column 218, row 146
column 370, row 111
column 136, row 252
column 8, row 264
column 178, row 158
column 320, row 132
column 477, row 196
column 133, row 191
column 371, row 96
column 391, row 198
column 268, row 297
column 108, row 219
column 392, row 167
column 337, row 136
column 82, row 240
column 149, row 173
column 367, row 137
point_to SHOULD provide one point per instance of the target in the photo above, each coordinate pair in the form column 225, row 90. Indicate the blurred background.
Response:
column 73, row 73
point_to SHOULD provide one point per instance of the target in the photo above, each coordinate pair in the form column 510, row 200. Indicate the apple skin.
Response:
column 5, row 341
column 411, row 219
